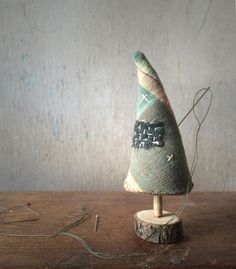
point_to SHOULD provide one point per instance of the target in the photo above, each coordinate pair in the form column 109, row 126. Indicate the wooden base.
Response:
column 162, row 230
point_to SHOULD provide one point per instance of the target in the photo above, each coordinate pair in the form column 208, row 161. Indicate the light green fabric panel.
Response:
column 145, row 101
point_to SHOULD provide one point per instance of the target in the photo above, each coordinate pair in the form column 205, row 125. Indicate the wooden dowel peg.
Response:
column 157, row 205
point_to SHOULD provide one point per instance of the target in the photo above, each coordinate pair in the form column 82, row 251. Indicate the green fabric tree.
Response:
column 158, row 163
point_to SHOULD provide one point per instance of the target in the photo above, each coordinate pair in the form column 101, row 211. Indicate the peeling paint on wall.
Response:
column 56, row 123
column 87, row 135
column 30, row 79
column 24, row 56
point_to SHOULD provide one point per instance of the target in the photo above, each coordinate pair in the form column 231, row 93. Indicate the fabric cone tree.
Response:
column 158, row 164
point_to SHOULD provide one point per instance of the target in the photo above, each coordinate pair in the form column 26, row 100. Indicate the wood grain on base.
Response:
column 162, row 230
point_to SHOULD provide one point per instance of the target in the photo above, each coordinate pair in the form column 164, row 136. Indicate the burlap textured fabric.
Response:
column 161, row 169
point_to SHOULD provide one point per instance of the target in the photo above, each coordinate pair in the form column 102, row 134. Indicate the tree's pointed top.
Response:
column 149, row 82
column 138, row 54
column 143, row 65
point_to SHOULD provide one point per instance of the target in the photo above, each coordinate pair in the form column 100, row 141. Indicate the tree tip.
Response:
column 138, row 55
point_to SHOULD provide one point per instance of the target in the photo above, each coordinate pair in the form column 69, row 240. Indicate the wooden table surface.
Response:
column 209, row 222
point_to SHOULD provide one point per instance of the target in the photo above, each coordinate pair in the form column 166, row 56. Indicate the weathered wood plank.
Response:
column 209, row 229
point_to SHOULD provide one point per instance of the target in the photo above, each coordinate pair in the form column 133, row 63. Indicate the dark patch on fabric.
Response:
column 148, row 135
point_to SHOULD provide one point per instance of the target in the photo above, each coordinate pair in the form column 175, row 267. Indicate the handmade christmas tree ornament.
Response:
column 158, row 164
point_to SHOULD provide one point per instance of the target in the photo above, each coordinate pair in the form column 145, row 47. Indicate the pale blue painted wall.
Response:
column 68, row 87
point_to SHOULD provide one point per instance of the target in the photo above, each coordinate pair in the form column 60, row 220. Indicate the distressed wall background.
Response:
column 68, row 87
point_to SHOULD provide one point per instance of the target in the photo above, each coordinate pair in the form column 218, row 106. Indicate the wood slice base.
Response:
column 162, row 230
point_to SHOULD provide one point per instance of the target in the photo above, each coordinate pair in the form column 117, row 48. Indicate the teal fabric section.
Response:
column 145, row 100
